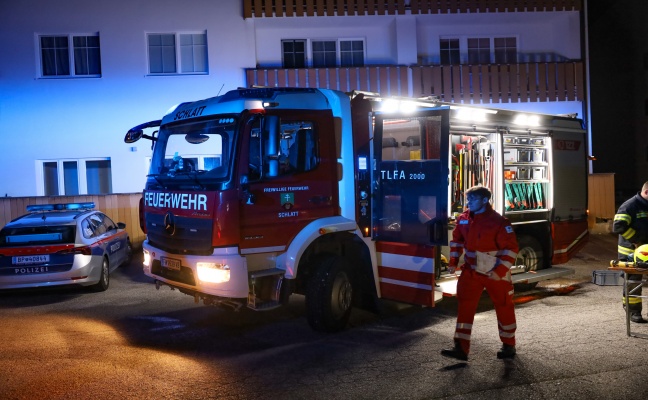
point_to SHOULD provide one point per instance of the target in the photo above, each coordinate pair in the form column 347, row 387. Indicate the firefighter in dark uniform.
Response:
column 631, row 223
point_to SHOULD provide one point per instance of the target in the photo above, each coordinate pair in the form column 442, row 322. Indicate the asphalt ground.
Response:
column 572, row 341
column 133, row 342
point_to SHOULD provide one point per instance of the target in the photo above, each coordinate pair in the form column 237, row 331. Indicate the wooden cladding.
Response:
column 387, row 80
column 119, row 207
column 322, row 8
column 511, row 83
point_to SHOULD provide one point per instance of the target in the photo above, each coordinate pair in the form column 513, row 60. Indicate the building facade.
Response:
column 77, row 75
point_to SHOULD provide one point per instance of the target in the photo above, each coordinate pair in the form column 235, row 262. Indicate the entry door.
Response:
column 411, row 177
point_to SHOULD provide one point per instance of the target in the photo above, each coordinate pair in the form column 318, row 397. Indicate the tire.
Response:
column 129, row 253
column 530, row 255
column 329, row 296
column 104, row 277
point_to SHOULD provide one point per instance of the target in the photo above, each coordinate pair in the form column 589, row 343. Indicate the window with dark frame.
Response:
column 294, row 53
column 60, row 52
column 450, row 51
column 505, row 50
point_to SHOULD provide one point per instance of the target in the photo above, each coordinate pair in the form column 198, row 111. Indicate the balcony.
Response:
column 468, row 84
column 321, row 8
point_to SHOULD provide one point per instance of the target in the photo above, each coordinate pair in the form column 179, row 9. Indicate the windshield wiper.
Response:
column 192, row 174
column 155, row 176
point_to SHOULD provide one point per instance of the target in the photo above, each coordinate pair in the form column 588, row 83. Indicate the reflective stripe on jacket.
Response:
column 631, row 224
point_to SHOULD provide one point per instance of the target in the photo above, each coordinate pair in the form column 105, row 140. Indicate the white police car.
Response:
column 62, row 244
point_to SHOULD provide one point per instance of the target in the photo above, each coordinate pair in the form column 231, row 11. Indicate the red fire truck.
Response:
column 347, row 198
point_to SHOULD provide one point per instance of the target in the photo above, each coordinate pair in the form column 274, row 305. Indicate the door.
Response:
column 291, row 177
column 411, row 178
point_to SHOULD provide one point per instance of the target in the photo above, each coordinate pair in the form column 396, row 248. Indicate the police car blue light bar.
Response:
column 61, row 206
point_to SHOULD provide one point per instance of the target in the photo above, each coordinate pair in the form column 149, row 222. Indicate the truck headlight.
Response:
column 212, row 272
column 147, row 259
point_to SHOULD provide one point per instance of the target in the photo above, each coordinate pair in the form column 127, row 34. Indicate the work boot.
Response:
column 635, row 316
column 456, row 352
column 507, row 352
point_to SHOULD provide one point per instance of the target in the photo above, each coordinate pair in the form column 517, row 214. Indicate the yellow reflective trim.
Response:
column 629, row 233
column 624, row 250
column 642, row 214
column 633, row 300
column 623, row 217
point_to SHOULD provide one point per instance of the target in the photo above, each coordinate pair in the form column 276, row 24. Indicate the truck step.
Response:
column 257, row 304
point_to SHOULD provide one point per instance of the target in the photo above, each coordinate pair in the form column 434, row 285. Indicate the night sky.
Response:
column 617, row 45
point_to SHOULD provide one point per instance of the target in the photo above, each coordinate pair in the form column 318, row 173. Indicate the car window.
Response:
column 86, row 229
column 37, row 235
column 110, row 225
column 96, row 221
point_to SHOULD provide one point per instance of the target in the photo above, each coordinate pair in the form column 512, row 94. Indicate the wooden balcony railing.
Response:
column 322, row 8
column 387, row 80
column 479, row 84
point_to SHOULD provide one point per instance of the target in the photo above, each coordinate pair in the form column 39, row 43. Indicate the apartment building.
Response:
column 76, row 75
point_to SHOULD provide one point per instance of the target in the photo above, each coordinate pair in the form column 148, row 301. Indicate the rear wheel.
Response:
column 329, row 297
column 529, row 255
column 104, row 278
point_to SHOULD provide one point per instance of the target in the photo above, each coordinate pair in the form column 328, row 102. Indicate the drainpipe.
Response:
column 588, row 107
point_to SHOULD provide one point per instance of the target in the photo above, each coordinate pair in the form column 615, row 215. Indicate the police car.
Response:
column 62, row 244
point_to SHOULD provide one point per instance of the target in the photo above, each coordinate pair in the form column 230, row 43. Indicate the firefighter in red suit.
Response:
column 482, row 229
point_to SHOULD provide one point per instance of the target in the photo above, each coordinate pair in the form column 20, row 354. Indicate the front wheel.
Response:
column 329, row 296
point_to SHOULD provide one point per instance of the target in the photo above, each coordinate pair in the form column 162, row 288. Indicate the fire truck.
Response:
column 348, row 198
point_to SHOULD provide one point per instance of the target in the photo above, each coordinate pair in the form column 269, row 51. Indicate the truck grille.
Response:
column 191, row 235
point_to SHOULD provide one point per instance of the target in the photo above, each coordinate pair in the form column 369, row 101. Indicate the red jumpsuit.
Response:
column 485, row 232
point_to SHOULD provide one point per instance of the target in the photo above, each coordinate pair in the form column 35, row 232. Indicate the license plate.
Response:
column 170, row 263
column 26, row 260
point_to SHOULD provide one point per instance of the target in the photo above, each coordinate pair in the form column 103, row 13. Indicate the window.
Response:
column 485, row 50
column 294, row 53
column 479, row 51
column 171, row 53
column 450, row 51
column 351, row 53
column 74, row 177
column 505, row 50
column 291, row 149
column 70, row 55
column 324, row 53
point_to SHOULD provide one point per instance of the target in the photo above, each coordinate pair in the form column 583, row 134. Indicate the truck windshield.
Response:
column 196, row 151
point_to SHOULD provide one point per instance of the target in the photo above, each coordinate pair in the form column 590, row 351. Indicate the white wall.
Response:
column 538, row 32
column 88, row 117
column 43, row 119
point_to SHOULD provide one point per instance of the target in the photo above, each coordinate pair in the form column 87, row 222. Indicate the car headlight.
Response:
column 213, row 272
